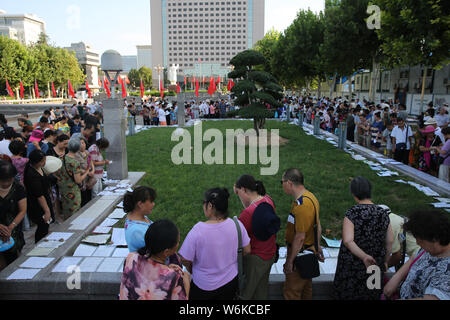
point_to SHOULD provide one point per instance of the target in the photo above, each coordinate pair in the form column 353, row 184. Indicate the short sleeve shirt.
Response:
column 428, row 276
column 212, row 249
column 301, row 218
column 397, row 229
column 400, row 135
column 264, row 249
column 446, row 148
column 135, row 234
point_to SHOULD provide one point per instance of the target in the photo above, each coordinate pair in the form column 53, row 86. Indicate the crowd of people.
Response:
column 384, row 128
column 207, row 266
column 48, row 171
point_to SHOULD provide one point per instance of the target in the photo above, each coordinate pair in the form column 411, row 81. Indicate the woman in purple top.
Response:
column 209, row 251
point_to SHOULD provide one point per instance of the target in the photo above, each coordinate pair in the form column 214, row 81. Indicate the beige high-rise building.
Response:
column 202, row 36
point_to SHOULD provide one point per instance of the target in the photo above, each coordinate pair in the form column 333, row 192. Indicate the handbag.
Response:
column 307, row 264
column 241, row 278
column 402, row 146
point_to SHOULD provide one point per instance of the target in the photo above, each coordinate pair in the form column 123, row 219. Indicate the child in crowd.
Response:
column 96, row 154
column 387, row 139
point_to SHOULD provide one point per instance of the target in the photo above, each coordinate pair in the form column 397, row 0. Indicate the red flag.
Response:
column 108, row 92
column 127, row 81
column 197, row 86
column 218, row 80
column 212, row 86
column 119, row 80
column 161, row 88
column 124, row 90
column 185, row 81
column 36, row 89
column 54, row 91
column 21, row 90
column 71, row 92
column 178, row 88
column 230, row 84
column 87, row 88
column 105, row 80
column 142, row 89
column 10, row 92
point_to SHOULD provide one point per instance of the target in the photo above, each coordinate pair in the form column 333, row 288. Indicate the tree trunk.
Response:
column 373, row 89
column 332, row 86
column 350, row 89
column 319, row 88
column 423, row 88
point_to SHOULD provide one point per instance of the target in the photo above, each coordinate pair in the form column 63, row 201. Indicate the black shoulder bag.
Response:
column 308, row 264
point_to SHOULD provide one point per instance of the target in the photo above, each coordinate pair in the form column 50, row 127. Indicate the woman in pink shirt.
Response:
column 209, row 251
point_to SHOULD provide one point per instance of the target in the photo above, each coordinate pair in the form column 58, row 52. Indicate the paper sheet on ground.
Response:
column 84, row 250
column 57, row 236
column 97, row 239
column 111, row 265
column 329, row 266
column 102, row 229
column 104, row 251
column 332, row 243
column 36, row 262
column 65, row 263
column 118, row 237
column 117, row 214
column 50, row 244
column 121, row 252
column 443, row 199
column 441, row 205
column 23, row 274
column 108, row 222
column 90, row 264
column 40, row 252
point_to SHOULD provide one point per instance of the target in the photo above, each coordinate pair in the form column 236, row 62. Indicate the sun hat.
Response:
column 428, row 129
column 430, row 121
column 52, row 164
column 36, row 135
column 265, row 222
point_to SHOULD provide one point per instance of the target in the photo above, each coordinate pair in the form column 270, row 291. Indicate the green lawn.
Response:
column 327, row 171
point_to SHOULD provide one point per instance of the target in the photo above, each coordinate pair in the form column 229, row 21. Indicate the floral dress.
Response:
column 370, row 226
column 145, row 279
column 68, row 189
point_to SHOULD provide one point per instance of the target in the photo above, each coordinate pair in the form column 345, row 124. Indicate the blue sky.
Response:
column 121, row 25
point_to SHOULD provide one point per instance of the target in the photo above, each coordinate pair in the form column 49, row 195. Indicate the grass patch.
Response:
column 327, row 171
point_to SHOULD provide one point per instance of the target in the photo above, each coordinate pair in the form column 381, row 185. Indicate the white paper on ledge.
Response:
column 57, row 236
column 118, row 237
column 23, row 274
column 97, row 239
column 65, row 263
column 36, row 262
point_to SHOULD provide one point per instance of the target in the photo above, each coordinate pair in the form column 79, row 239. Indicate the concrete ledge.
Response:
column 53, row 285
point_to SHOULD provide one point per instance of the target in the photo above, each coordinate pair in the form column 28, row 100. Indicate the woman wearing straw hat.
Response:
column 428, row 146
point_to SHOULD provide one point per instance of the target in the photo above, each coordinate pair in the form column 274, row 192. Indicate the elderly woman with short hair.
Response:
column 366, row 240
column 425, row 276
column 70, row 176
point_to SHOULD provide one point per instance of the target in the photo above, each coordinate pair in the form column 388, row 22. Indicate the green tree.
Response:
column 415, row 32
column 297, row 52
column 254, row 88
column 14, row 64
column 143, row 73
column 266, row 46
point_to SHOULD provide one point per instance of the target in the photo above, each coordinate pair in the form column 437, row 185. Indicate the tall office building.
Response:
column 23, row 27
column 89, row 60
column 128, row 63
column 202, row 36
column 144, row 56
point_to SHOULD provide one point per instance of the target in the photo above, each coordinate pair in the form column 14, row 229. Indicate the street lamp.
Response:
column 112, row 64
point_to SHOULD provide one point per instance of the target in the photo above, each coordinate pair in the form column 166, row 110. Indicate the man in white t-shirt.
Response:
column 442, row 118
column 162, row 117
column 401, row 141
